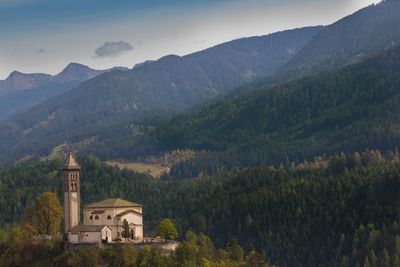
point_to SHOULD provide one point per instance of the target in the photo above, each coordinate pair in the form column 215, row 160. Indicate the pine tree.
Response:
column 125, row 229
column 396, row 252
column 2, row 236
column 373, row 258
column 234, row 250
column 255, row 259
column 395, row 260
column 385, row 258
column 345, row 261
column 366, row 262
column 206, row 246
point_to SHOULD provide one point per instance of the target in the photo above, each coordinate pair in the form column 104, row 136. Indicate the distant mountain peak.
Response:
column 22, row 81
column 76, row 72
column 171, row 84
column 141, row 64
column 17, row 74
column 349, row 40
column 72, row 67
column 14, row 74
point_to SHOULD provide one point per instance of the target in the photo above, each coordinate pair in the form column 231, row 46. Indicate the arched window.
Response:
column 109, row 217
column 72, row 187
column 96, row 217
column 91, row 217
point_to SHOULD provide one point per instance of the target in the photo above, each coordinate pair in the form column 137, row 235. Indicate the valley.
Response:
column 278, row 149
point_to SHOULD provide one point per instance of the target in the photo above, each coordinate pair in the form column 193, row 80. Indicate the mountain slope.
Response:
column 21, row 81
column 76, row 72
column 251, row 58
column 19, row 92
column 347, row 41
column 172, row 83
column 345, row 110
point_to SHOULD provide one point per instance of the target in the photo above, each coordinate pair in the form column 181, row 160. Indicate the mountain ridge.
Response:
column 21, row 81
column 76, row 72
column 21, row 91
column 170, row 84
column 344, row 110
column 351, row 39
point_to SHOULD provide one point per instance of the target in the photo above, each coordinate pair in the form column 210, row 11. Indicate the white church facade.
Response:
column 102, row 221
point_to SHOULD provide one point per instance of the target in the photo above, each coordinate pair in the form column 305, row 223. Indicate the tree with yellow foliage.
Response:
column 166, row 229
column 45, row 214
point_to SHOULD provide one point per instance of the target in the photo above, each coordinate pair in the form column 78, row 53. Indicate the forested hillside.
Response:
column 336, row 211
column 349, row 40
column 172, row 83
column 276, row 150
column 19, row 101
column 346, row 110
column 109, row 115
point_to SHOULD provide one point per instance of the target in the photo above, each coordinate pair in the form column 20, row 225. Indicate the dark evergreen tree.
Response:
column 125, row 229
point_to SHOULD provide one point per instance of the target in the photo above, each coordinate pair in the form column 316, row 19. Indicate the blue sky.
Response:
column 46, row 35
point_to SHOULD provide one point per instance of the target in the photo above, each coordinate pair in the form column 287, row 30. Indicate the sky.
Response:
column 46, row 35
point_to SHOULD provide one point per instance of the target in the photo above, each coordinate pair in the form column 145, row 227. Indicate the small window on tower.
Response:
column 91, row 217
column 96, row 217
column 109, row 217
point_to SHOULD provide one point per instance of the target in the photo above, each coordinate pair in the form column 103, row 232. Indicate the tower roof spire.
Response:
column 70, row 162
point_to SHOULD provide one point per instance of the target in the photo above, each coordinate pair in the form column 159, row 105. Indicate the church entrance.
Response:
column 132, row 234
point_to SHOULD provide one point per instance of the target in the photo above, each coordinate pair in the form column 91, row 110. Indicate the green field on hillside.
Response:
column 154, row 170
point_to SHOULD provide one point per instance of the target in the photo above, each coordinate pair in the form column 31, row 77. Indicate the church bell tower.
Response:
column 71, row 186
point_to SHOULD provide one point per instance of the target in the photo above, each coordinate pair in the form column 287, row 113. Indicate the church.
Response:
column 102, row 221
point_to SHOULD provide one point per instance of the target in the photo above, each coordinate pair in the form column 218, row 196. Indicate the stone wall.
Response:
column 165, row 246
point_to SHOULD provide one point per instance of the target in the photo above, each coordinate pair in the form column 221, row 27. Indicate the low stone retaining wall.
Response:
column 165, row 246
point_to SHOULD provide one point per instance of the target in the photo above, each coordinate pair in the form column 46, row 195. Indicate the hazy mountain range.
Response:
column 21, row 91
column 108, row 114
column 172, row 83
column 345, row 110
column 349, row 40
column 288, row 143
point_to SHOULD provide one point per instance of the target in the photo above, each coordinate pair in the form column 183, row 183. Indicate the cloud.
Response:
column 41, row 51
column 113, row 49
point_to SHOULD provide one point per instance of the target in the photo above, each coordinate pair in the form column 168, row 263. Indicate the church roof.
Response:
column 113, row 203
column 87, row 228
column 128, row 211
column 71, row 163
